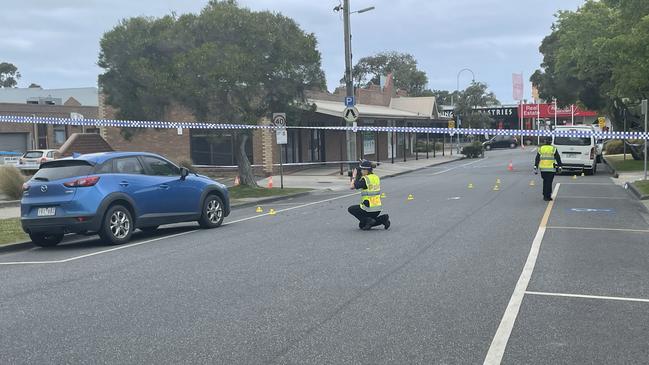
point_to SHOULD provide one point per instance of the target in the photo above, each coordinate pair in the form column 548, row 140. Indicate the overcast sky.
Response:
column 56, row 43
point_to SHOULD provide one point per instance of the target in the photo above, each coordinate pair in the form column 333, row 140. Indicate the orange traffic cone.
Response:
column 237, row 181
column 270, row 182
column 510, row 167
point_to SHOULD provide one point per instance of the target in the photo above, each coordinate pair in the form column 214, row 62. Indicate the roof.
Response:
column 336, row 108
column 420, row 105
column 86, row 96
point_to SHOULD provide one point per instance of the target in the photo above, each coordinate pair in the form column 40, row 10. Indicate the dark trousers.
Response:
column 548, row 177
column 362, row 216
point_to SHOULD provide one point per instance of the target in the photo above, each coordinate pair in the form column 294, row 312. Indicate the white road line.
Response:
column 456, row 167
column 601, row 229
column 499, row 342
column 165, row 237
column 592, row 197
column 569, row 183
column 623, row 299
column 194, row 231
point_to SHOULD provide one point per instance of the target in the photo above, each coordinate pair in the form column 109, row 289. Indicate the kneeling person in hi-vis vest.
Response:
column 548, row 161
column 369, row 210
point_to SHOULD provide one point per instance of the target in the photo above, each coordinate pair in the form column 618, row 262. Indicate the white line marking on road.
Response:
column 193, row 231
column 456, row 167
column 624, row 299
column 165, row 237
column 601, row 229
column 592, row 197
column 569, row 183
column 499, row 342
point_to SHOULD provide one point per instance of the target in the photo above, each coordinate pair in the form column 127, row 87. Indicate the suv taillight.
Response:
column 43, row 159
column 592, row 153
column 25, row 187
column 83, row 182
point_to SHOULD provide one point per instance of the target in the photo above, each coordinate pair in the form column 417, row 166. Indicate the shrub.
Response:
column 473, row 150
column 614, row 147
column 11, row 182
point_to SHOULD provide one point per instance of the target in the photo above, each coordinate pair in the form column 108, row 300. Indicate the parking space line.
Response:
column 602, row 229
column 623, row 299
column 165, row 237
column 499, row 342
column 593, row 197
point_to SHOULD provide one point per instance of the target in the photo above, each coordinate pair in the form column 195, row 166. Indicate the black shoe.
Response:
column 369, row 223
column 550, row 199
column 547, row 199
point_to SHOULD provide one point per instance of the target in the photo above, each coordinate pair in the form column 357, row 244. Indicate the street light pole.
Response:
column 349, row 83
column 457, row 89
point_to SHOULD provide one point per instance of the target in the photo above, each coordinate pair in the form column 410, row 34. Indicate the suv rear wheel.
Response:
column 46, row 239
column 512, row 145
column 212, row 214
column 117, row 226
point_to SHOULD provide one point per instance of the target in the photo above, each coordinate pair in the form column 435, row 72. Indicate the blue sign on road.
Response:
column 350, row 101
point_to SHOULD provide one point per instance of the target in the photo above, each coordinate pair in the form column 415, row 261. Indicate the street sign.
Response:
column 350, row 101
column 281, row 135
column 279, row 119
column 350, row 114
column 602, row 122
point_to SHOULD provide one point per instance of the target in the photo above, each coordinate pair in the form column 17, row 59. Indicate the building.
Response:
column 377, row 107
column 59, row 103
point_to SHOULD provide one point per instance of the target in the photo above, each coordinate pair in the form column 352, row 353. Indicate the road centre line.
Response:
column 194, row 231
column 165, row 237
column 601, row 229
column 570, row 183
column 623, row 299
column 499, row 342
column 456, row 167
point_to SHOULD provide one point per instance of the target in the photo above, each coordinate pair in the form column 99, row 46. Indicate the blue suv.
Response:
column 113, row 193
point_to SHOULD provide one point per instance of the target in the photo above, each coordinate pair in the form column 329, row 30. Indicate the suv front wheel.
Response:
column 117, row 226
column 212, row 214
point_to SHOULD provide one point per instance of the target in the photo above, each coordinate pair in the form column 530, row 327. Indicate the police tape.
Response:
column 574, row 133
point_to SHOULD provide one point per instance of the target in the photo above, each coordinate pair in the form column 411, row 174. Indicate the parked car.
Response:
column 577, row 153
column 500, row 142
column 113, row 193
column 32, row 159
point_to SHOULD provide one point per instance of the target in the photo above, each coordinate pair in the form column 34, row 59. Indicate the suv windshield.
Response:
column 63, row 169
column 572, row 141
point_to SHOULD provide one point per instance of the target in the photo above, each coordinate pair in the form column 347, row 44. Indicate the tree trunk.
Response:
column 246, row 175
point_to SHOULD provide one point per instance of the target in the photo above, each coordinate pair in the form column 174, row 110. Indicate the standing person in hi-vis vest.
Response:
column 368, row 212
column 549, row 162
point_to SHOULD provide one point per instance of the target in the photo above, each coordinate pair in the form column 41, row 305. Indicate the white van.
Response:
column 577, row 153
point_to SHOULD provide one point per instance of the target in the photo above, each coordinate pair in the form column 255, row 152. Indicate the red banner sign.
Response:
column 547, row 111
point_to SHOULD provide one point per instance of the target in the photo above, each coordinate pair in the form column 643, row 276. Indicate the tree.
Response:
column 227, row 63
column 403, row 67
column 597, row 56
column 475, row 95
column 443, row 97
column 9, row 75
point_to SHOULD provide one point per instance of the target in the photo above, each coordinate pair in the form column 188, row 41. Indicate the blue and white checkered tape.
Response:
column 229, row 126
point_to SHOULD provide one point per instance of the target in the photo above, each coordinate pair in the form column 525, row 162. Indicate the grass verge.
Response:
column 642, row 186
column 11, row 231
column 621, row 165
column 241, row 192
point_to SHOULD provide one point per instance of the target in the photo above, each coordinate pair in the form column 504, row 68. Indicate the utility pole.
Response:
column 349, row 83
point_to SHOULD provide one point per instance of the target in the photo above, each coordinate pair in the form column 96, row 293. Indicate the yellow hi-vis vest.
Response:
column 546, row 164
column 372, row 194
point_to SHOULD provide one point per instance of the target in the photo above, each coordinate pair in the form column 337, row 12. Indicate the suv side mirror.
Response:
column 183, row 173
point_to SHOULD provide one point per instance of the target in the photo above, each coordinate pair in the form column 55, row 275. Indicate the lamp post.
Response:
column 349, row 82
column 457, row 89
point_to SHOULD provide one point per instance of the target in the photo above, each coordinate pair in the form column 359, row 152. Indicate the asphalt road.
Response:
column 444, row 285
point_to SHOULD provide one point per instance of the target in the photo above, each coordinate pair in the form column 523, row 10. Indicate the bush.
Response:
column 474, row 150
column 11, row 182
column 614, row 147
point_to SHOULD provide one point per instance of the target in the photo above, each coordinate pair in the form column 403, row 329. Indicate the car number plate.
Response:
column 46, row 212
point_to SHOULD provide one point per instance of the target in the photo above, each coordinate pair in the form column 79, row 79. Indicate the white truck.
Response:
column 577, row 153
